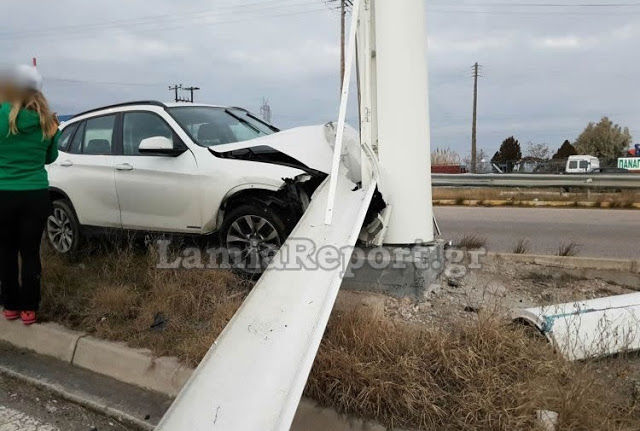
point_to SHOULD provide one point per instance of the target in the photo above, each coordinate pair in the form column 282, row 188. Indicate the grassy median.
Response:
column 458, row 196
column 474, row 374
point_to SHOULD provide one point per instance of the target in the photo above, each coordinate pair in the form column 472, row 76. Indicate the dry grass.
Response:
column 472, row 242
column 624, row 199
column 118, row 295
column 568, row 249
column 478, row 374
column 522, row 246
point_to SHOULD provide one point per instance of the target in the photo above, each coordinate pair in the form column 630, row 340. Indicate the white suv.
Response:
column 184, row 169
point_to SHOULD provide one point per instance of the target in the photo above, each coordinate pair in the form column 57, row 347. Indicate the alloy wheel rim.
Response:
column 252, row 242
column 60, row 230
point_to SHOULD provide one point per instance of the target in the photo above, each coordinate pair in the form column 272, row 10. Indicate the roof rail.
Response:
column 118, row 105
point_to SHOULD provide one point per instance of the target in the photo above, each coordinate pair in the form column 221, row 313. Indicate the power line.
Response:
column 175, row 89
column 540, row 5
column 548, row 13
column 152, row 19
column 191, row 91
column 156, row 26
column 82, row 81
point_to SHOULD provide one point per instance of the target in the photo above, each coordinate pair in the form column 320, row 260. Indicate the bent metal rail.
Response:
column 586, row 181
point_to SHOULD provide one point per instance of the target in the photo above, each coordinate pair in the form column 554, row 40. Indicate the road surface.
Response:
column 25, row 408
column 613, row 234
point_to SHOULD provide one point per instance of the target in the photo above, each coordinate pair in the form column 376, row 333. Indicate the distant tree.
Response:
column 509, row 153
column 604, row 140
column 538, row 151
column 565, row 151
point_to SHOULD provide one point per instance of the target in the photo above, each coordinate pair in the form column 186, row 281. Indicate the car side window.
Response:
column 76, row 144
column 98, row 136
column 65, row 137
column 138, row 126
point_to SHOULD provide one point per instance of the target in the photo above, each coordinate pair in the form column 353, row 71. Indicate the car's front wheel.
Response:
column 252, row 233
column 63, row 229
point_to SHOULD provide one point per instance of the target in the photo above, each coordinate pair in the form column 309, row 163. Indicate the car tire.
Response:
column 63, row 229
column 252, row 234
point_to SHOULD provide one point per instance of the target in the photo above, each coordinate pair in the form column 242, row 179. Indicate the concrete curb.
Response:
column 88, row 404
column 532, row 204
column 50, row 339
column 135, row 366
column 631, row 266
column 138, row 367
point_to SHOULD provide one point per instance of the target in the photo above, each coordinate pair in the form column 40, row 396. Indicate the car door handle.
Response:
column 124, row 167
column 66, row 163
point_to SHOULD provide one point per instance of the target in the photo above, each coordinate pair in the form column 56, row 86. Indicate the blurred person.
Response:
column 28, row 141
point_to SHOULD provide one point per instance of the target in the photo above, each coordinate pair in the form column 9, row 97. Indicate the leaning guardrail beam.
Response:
column 630, row 181
column 253, row 377
column 588, row 329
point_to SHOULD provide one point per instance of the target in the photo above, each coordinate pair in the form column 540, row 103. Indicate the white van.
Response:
column 582, row 164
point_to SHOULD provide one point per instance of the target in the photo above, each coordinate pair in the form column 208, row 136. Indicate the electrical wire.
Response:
column 158, row 23
column 172, row 17
column 83, row 81
column 539, row 5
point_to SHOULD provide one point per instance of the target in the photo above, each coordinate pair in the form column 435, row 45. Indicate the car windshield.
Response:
column 210, row 126
column 254, row 121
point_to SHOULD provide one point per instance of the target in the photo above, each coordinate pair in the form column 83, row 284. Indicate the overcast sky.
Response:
column 547, row 71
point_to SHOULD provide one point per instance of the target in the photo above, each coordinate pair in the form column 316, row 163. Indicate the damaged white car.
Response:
column 186, row 169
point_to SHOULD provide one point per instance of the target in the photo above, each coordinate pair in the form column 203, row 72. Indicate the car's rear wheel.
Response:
column 63, row 228
column 252, row 233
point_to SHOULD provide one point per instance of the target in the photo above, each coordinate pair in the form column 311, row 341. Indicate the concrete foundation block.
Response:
column 46, row 339
column 395, row 271
column 134, row 366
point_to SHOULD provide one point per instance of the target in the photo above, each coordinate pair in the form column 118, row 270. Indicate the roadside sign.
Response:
column 630, row 163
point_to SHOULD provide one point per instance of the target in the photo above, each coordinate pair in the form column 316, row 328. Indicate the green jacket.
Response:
column 23, row 156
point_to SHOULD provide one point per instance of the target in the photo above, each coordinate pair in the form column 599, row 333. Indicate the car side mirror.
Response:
column 159, row 146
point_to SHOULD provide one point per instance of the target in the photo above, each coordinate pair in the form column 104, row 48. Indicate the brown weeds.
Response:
column 478, row 374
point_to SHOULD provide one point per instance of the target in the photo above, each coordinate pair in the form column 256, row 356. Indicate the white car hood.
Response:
column 311, row 146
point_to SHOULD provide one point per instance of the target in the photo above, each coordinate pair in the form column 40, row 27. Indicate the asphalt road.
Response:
column 599, row 233
column 25, row 408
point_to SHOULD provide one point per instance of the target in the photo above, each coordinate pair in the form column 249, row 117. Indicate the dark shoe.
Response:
column 11, row 315
column 28, row 317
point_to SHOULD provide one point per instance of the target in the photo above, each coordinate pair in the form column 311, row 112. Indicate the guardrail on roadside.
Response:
column 625, row 181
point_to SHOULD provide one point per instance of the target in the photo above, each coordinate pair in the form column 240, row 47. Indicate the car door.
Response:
column 84, row 172
column 156, row 192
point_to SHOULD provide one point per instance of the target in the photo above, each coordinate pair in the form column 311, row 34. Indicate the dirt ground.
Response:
column 498, row 288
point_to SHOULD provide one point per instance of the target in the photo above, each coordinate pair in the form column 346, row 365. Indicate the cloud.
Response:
column 122, row 46
column 567, row 42
column 438, row 45
column 544, row 76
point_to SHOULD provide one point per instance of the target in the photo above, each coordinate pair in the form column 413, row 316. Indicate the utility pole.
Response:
column 175, row 88
column 343, row 9
column 474, row 129
column 343, row 25
column 265, row 110
column 191, row 90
